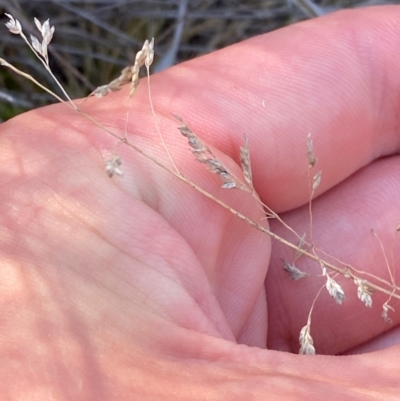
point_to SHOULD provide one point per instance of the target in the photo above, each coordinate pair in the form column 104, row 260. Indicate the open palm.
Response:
column 139, row 287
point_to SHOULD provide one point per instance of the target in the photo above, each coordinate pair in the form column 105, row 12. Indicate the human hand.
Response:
column 141, row 288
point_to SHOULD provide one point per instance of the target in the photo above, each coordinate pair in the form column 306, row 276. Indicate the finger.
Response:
column 335, row 77
column 343, row 220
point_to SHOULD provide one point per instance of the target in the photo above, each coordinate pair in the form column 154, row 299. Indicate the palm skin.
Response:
column 140, row 288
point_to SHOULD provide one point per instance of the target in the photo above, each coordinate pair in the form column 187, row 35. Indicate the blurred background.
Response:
column 95, row 39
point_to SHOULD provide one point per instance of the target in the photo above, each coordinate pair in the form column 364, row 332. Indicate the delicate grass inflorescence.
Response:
column 203, row 154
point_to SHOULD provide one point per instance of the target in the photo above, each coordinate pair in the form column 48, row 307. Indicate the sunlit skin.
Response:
column 139, row 288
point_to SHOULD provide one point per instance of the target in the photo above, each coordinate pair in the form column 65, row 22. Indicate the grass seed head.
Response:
column 364, row 292
column 312, row 161
column 13, row 25
column 317, row 180
column 335, row 290
column 113, row 166
column 386, row 307
column 245, row 161
column 306, row 341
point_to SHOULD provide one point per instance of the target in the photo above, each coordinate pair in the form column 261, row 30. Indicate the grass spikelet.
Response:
column 113, row 166
column 306, row 341
column 294, row 272
column 204, row 155
column 386, row 307
column 364, row 292
column 245, row 162
column 114, row 85
column 335, row 290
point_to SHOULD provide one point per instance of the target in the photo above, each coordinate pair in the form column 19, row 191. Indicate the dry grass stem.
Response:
column 391, row 273
column 5, row 63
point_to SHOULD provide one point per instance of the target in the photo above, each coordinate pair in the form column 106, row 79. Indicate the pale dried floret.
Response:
column 216, row 167
column 101, row 91
column 306, row 341
column 36, row 44
column 113, row 166
column 146, row 55
column 312, row 161
column 294, row 272
column 317, row 180
column 148, row 49
column 47, row 34
column 364, row 292
column 115, row 85
column 143, row 57
column 45, row 30
column 335, row 290
column 13, row 25
column 386, row 307
column 245, row 161
column 364, row 296
column 129, row 74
